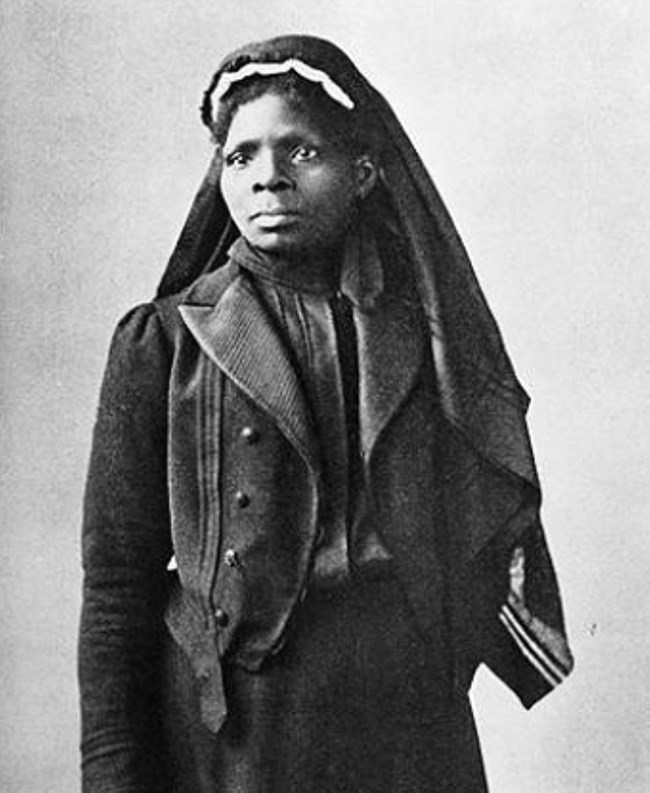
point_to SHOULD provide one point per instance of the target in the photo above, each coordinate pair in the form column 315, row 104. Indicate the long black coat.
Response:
column 204, row 449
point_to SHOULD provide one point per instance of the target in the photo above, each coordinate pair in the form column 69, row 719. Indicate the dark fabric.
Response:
column 126, row 544
column 185, row 376
column 318, row 276
column 314, row 316
column 346, row 342
column 356, row 702
column 168, row 447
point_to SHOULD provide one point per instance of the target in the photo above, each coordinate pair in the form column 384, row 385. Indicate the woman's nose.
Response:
column 271, row 173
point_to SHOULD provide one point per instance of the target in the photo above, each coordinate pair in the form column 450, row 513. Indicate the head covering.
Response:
column 480, row 395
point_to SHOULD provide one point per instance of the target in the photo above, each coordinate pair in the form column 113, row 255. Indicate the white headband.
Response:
column 335, row 91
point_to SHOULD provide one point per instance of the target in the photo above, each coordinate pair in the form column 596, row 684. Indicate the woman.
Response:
column 312, row 509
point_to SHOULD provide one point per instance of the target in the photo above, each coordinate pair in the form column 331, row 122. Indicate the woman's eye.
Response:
column 304, row 153
column 237, row 159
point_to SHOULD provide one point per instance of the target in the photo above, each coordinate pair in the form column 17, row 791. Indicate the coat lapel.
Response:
column 238, row 336
column 391, row 350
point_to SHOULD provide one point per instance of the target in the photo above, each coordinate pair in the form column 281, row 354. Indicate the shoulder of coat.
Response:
column 205, row 291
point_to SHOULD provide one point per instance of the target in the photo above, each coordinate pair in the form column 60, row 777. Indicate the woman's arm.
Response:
column 126, row 546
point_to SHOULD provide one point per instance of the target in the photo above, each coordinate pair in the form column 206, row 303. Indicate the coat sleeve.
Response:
column 125, row 549
column 526, row 644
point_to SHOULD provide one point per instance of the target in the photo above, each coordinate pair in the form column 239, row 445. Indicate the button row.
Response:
column 249, row 435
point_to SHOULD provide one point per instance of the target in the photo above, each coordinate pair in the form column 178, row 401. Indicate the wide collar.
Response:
column 232, row 327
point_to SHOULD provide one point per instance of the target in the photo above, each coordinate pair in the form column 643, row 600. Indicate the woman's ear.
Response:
column 366, row 175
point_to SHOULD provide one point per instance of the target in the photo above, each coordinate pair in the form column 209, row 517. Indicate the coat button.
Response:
column 249, row 435
column 230, row 558
column 242, row 499
column 221, row 618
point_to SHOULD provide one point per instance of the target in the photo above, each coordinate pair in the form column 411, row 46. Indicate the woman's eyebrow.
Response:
column 294, row 137
column 282, row 137
column 246, row 145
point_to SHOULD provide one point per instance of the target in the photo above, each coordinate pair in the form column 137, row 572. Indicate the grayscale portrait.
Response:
column 325, row 456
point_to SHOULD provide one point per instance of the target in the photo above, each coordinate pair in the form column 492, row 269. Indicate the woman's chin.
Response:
column 277, row 242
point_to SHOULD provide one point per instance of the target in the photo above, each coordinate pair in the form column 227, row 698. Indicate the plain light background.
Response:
column 534, row 119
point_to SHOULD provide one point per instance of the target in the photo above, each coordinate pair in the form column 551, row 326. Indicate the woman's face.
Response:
column 287, row 187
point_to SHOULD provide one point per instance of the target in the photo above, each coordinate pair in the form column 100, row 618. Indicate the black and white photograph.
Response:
column 324, row 384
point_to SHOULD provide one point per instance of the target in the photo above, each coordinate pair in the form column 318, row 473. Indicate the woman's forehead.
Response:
column 274, row 116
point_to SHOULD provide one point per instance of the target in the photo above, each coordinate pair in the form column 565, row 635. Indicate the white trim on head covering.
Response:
column 228, row 79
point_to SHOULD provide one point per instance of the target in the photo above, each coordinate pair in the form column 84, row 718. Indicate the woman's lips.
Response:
column 275, row 218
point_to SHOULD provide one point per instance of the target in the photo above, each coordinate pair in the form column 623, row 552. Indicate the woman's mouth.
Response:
column 275, row 218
